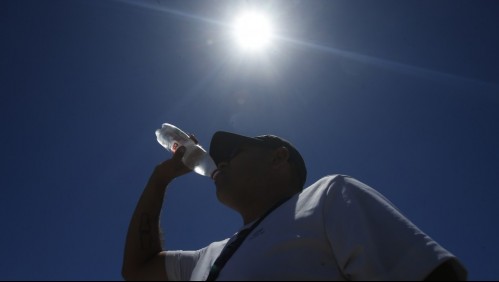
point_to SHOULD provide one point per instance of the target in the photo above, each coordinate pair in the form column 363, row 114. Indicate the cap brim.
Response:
column 224, row 143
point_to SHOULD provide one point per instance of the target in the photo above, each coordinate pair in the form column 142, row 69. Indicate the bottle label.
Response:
column 175, row 146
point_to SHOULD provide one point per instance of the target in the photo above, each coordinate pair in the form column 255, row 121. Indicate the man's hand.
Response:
column 169, row 169
column 172, row 168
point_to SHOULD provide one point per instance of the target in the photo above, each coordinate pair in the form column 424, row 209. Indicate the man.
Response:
column 336, row 229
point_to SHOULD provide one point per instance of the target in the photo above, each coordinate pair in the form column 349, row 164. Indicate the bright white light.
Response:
column 253, row 31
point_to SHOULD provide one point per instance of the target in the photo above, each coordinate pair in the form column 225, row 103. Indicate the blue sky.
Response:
column 402, row 95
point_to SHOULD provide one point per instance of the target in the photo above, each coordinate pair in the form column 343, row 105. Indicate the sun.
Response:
column 253, row 31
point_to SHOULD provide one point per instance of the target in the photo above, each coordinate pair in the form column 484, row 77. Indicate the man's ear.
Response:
column 280, row 156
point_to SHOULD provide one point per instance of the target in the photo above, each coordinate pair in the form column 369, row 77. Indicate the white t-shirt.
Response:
column 336, row 229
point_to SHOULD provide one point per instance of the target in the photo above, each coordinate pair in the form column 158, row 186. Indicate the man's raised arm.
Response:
column 144, row 257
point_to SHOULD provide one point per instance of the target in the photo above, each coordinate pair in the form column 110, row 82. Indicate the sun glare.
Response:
column 253, row 31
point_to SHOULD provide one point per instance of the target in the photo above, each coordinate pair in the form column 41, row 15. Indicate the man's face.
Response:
column 243, row 176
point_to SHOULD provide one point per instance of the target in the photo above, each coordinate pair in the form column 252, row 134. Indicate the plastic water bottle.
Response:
column 195, row 157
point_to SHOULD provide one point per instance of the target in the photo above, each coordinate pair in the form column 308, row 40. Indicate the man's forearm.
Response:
column 143, row 258
column 143, row 241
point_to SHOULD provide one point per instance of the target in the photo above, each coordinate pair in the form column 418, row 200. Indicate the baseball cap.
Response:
column 224, row 143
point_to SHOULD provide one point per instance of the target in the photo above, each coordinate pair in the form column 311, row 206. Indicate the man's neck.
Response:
column 259, row 209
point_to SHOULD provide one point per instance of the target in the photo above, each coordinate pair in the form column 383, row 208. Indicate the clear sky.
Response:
column 402, row 95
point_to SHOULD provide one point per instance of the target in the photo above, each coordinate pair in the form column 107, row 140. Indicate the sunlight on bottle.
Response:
column 253, row 31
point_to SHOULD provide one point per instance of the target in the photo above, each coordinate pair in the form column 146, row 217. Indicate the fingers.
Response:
column 179, row 153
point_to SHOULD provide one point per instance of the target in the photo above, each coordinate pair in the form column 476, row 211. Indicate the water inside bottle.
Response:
column 198, row 160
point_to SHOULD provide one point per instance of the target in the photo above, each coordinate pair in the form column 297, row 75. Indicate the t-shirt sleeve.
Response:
column 372, row 240
column 179, row 265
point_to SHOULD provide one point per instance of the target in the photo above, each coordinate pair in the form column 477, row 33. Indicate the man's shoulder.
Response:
column 317, row 196
column 322, row 187
column 337, row 183
column 328, row 181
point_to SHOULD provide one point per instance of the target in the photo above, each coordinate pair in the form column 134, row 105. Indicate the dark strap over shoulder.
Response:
column 234, row 244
